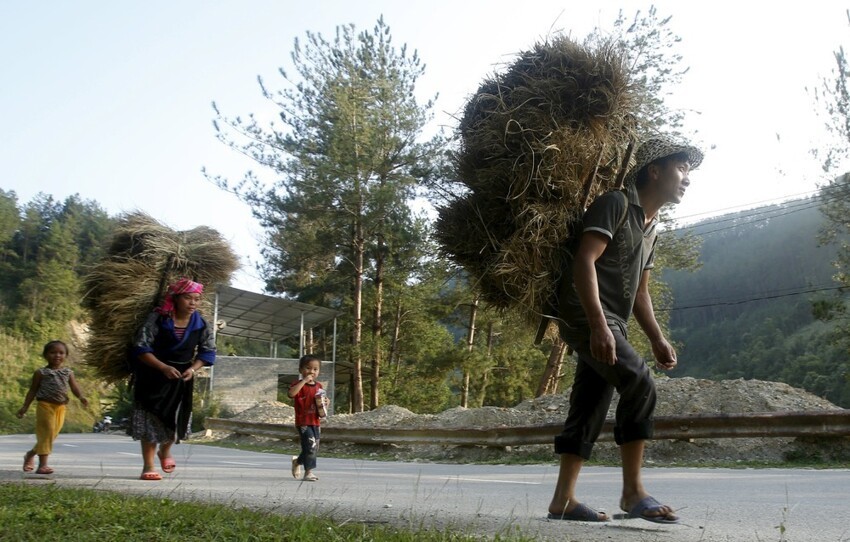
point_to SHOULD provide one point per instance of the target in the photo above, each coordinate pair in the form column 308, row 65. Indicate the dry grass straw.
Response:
column 124, row 287
column 535, row 142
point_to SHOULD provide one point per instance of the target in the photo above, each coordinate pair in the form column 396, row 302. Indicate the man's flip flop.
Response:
column 648, row 504
column 581, row 512
column 152, row 476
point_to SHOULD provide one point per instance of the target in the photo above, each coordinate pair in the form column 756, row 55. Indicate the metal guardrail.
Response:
column 828, row 423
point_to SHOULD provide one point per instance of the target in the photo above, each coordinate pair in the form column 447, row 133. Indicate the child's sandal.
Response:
column 29, row 462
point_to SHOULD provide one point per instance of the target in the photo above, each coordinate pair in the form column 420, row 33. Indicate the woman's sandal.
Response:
column 167, row 464
column 29, row 462
column 152, row 476
column 44, row 470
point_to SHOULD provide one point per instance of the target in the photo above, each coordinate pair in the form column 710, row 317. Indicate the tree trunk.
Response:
column 549, row 381
column 470, row 342
column 491, row 336
column 357, row 328
column 377, row 324
column 393, row 355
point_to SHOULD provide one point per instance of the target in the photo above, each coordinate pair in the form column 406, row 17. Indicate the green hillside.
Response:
column 747, row 313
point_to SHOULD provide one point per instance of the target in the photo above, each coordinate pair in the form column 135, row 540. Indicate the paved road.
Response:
column 716, row 504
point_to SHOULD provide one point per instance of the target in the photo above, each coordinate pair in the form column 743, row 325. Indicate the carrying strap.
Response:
column 551, row 308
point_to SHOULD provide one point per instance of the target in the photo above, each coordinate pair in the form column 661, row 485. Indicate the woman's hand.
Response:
column 170, row 372
column 188, row 374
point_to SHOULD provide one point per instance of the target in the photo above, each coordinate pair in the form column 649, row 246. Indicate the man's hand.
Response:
column 665, row 355
column 603, row 346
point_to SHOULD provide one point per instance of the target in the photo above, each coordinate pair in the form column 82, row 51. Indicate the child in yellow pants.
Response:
column 50, row 387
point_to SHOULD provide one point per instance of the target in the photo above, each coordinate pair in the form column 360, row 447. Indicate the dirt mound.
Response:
column 676, row 396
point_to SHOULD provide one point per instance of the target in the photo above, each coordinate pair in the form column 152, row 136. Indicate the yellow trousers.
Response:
column 49, row 419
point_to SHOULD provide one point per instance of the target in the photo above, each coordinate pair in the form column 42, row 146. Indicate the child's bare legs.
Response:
column 29, row 461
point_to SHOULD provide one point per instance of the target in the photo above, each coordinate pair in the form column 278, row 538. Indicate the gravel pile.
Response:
column 676, row 396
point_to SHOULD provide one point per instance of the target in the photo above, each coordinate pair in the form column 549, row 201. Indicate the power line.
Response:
column 825, row 195
column 751, row 299
column 842, row 189
column 725, row 210
column 746, row 220
column 743, row 219
column 778, row 291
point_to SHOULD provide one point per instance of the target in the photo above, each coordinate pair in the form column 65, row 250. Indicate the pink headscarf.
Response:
column 182, row 286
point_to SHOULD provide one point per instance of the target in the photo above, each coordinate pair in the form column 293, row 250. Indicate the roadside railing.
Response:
column 828, row 423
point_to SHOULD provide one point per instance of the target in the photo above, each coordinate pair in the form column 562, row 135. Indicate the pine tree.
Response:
column 832, row 101
column 348, row 160
column 50, row 293
column 10, row 220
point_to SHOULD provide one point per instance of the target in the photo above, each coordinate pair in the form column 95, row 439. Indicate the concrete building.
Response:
column 242, row 382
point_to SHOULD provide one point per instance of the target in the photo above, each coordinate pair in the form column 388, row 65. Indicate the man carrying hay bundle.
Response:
column 610, row 268
column 537, row 143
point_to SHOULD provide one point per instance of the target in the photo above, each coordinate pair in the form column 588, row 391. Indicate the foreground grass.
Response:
column 48, row 512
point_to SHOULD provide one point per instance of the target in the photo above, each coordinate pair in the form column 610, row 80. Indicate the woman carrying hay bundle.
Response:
column 174, row 342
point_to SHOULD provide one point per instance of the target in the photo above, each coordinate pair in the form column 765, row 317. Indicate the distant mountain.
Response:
column 747, row 313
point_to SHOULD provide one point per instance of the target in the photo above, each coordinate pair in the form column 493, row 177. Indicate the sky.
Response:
column 112, row 100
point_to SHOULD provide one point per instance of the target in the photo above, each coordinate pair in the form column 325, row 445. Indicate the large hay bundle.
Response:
column 124, row 287
column 536, row 142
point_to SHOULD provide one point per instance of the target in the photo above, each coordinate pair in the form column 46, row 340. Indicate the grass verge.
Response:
column 48, row 512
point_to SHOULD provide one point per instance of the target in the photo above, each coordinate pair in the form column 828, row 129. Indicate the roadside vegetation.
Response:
column 47, row 512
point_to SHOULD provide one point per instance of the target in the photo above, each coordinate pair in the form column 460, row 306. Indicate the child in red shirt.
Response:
column 310, row 403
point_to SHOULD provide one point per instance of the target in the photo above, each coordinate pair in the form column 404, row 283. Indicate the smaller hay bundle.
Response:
column 143, row 258
column 536, row 143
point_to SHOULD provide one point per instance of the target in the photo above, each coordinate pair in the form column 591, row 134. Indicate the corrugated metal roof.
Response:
column 260, row 316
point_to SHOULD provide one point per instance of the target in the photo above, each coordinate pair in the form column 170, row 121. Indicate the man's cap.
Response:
column 658, row 147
